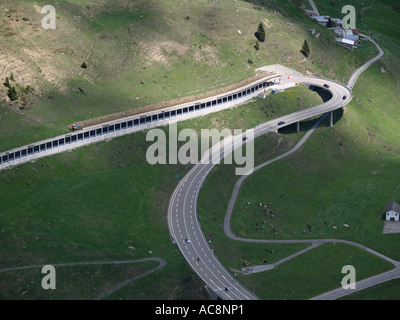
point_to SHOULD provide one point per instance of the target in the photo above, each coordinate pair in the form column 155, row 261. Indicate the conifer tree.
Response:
column 7, row 83
column 260, row 34
column 12, row 93
column 331, row 23
column 306, row 49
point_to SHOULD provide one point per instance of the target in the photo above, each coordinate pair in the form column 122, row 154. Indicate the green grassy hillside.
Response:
column 143, row 52
column 98, row 202
column 345, row 175
column 104, row 202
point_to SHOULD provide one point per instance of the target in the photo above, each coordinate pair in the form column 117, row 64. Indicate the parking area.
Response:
column 391, row 227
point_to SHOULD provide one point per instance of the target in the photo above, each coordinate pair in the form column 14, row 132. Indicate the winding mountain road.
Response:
column 182, row 212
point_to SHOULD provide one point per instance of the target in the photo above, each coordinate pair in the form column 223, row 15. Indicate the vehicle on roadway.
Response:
column 326, row 85
column 244, row 138
column 281, row 123
column 344, row 97
column 187, row 240
column 76, row 127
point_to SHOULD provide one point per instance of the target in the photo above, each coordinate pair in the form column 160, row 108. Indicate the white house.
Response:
column 321, row 19
column 346, row 43
column 348, row 34
column 354, row 38
column 393, row 212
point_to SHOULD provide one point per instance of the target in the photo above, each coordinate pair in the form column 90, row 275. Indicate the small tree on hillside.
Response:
column 7, row 82
column 12, row 93
column 260, row 34
column 331, row 23
column 306, row 49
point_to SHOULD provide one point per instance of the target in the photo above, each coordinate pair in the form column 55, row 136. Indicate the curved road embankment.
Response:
column 182, row 212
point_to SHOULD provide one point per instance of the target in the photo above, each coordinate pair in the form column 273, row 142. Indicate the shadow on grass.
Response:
column 325, row 95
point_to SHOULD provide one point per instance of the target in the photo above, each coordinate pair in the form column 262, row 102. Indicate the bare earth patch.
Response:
column 206, row 54
column 158, row 51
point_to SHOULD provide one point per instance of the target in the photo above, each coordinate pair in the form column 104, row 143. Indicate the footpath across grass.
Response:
column 315, row 272
column 72, row 282
column 385, row 291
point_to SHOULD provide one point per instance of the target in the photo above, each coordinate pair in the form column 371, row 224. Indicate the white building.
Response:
column 321, row 19
column 347, row 32
column 393, row 212
column 346, row 43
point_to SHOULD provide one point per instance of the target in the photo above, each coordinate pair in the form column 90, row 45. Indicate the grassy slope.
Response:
column 305, row 276
column 94, row 203
column 386, row 291
column 150, row 42
column 90, row 167
column 337, row 185
column 364, row 142
column 72, row 282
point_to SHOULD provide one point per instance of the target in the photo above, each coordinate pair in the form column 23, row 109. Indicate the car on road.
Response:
column 187, row 240
column 281, row 123
column 244, row 138
column 326, row 85
column 344, row 97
